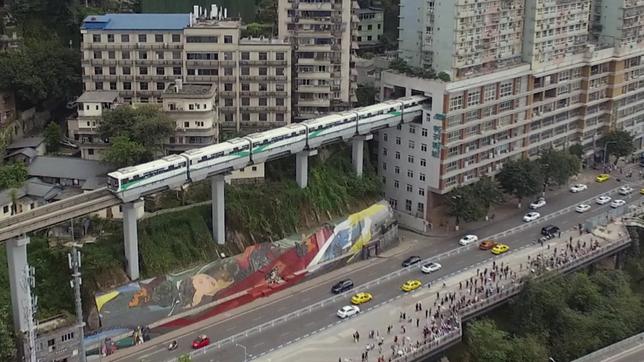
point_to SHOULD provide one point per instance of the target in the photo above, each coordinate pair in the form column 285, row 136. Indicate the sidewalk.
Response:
column 424, row 316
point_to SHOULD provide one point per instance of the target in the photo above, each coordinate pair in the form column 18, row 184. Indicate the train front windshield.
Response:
column 112, row 183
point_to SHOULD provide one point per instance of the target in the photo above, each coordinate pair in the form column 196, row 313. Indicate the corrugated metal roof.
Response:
column 136, row 22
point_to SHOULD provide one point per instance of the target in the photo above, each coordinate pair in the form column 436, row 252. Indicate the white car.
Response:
column 578, row 187
column 430, row 267
column 603, row 199
column 582, row 208
column 541, row 202
column 468, row 239
column 625, row 190
column 617, row 203
column 531, row 216
column 348, row 311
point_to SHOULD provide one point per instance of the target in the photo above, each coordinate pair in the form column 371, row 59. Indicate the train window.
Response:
column 126, row 180
column 203, row 158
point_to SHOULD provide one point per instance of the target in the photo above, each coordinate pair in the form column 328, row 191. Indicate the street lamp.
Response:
column 244, row 347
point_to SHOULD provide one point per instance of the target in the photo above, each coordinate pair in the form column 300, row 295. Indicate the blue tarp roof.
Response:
column 136, row 22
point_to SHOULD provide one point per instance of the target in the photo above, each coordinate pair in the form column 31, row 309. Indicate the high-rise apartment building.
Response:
column 320, row 33
column 573, row 79
column 138, row 55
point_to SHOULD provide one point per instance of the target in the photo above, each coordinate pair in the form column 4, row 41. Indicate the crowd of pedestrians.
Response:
column 437, row 317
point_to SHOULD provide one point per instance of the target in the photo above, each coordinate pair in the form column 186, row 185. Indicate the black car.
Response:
column 411, row 260
column 342, row 286
column 550, row 230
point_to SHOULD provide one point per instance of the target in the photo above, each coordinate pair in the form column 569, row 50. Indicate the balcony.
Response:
column 313, row 102
column 202, row 62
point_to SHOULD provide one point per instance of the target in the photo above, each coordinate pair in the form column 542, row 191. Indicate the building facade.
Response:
column 370, row 27
column 83, row 128
column 563, row 90
column 320, row 33
column 138, row 55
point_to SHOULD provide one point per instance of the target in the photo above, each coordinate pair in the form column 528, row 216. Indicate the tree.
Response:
column 7, row 343
column 618, row 143
column 527, row 349
column 52, row 137
column 557, row 167
column 125, row 152
column 366, row 95
column 520, row 178
column 489, row 192
column 577, row 150
column 487, row 343
column 13, row 175
column 145, row 125
column 464, row 204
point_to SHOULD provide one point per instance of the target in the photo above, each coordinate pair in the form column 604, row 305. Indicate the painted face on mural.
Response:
column 206, row 285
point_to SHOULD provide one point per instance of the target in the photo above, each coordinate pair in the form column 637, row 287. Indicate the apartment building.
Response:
column 83, row 128
column 370, row 27
column 562, row 92
column 320, row 33
column 138, row 55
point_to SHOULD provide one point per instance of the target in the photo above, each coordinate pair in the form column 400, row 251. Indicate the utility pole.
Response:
column 29, row 283
column 74, row 260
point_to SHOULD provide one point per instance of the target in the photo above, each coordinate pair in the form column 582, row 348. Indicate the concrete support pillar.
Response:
column 357, row 152
column 17, row 261
column 302, row 168
column 131, row 238
column 218, row 211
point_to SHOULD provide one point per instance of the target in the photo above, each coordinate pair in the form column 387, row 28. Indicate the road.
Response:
column 155, row 350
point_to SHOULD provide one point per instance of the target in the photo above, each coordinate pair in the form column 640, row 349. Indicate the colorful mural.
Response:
column 259, row 271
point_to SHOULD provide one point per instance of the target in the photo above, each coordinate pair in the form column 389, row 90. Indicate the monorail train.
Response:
column 174, row 171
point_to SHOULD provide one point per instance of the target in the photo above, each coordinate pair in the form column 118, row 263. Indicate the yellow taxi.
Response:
column 411, row 285
column 642, row 191
column 500, row 249
column 360, row 298
column 602, row 177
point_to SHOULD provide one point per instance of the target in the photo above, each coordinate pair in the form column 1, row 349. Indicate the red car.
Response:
column 201, row 341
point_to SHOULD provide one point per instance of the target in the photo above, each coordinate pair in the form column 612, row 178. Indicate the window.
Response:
column 455, row 102
column 143, row 85
column 97, row 55
column 279, row 71
column 397, row 140
column 5, row 209
column 112, row 85
column 397, row 155
column 384, row 137
column 279, row 101
column 96, row 38
column 263, row 56
column 505, row 89
column 423, row 162
column 228, row 39
column 473, row 98
column 421, row 176
column 279, row 117
column 408, row 205
column 412, row 129
column 143, row 70
column 396, row 184
column 125, row 38
column 143, row 55
column 228, row 55
column 245, row 101
column 412, row 145
column 423, row 147
column 228, row 71
column 98, row 85
column 110, row 38
column 98, row 70
column 421, row 207
column 506, row 106
column 245, row 117
column 176, row 38
column 127, row 71
column 279, row 56
column 396, row 170
column 127, row 86
column 160, row 86
column 158, row 38
column 112, row 70
column 263, row 71
column 160, row 55
column 201, row 39
column 410, row 188
column 143, row 38
column 245, row 87
column 393, row 203
column 263, row 102
column 421, row 191
column 263, row 117
column 228, row 87
column 489, row 93
column 176, row 71
column 245, row 56
column 410, row 159
column 384, row 151
column 410, row 173
column 160, row 71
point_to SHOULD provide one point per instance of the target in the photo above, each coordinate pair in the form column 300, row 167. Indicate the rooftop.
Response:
column 67, row 168
column 98, row 97
column 27, row 142
column 202, row 90
column 370, row 10
column 136, row 22
column 262, row 40
column 34, row 188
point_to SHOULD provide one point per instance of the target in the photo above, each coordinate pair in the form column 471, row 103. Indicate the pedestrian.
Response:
column 426, row 313
column 417, row 322
column 357, row 336
column 460, row 285
column 559, row 233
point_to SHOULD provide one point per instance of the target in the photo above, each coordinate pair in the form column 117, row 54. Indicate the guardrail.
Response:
column 609, row 351
column 302, row 311
column 429, row 346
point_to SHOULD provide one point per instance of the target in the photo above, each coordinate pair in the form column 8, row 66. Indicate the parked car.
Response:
column 200, row 341
column 617, row 203
column 468, row 239
column 348, row 311
column 430, row 267
column 578, row 187
column 487, row 244
column 414, row 259
column 531, row 216
column 550, row 230
column 538, row 203
column 342, row 286
column 581, row 208
column 603, row 199
column 625, row 190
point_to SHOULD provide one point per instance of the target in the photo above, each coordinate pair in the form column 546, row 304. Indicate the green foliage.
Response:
column 520, row 178
column 464, row 203
column 488, row 191
column 124, row 152
column 486, row 342
column 618, row 143
column 50, row 287
column 444, row 77
column 266, row 12
column 401, row 66
column 577, row 150
column 13, row 175
column 7, row 345
column 366, row 95
column 257, row 30
column 527, row 349
column 52, row 137
column 185, row 358
column 558, row 166
column 145, row 125
column 41, row 70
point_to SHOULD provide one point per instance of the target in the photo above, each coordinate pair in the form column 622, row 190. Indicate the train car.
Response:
column 378, row 116
column 218, row 158
column 276, row 142
column 331, row 128
column 130, row 183
column 412, row 108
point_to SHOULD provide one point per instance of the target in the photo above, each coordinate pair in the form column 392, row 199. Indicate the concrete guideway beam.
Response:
column 217, row 184
column 131, row 238
column 17, row 262
column 357, row 152
column 302, row 167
